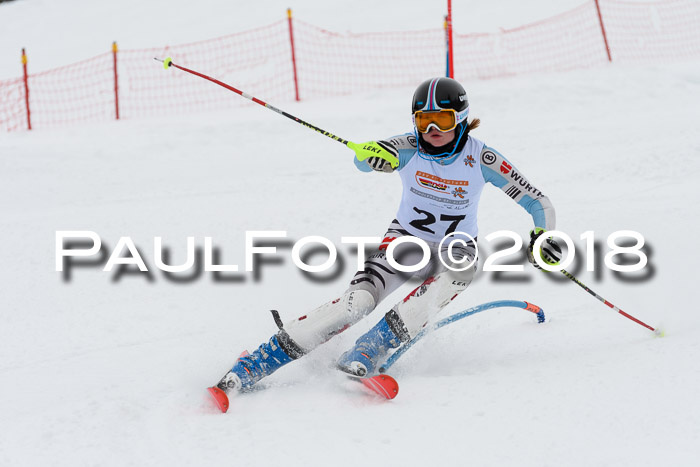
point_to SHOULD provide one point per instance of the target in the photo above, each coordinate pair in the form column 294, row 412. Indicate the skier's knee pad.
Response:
column 331, row 318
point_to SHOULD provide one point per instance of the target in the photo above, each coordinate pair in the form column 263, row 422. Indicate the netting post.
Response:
column 116, row 79
column 450, row 54
column 294, row 60
column 602, row 28
column 26, row 89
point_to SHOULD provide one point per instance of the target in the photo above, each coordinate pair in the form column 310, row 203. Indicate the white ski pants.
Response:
column 440, row 285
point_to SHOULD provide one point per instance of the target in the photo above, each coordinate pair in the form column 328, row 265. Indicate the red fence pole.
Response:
column 26, row 89
column 294, row 60
column 602, row 28
column 116, row 79
column 450, row 54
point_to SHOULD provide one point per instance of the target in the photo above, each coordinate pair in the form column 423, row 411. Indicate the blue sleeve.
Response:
column 405, row 155
column 501, row 173
column 362, row 165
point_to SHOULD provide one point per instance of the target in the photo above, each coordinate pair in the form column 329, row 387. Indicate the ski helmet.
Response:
column 438, row 94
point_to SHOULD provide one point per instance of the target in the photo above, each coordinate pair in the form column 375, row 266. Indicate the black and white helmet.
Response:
column 430, row 98
column 441, row 93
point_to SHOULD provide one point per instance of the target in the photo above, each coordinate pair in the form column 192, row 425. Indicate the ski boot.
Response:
column 372, row 348
column 251, row 368
column 268, row 358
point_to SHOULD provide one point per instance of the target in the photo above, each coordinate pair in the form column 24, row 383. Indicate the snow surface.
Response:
column 105, row 370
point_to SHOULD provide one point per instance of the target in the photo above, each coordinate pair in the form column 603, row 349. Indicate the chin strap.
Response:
column 444, row 158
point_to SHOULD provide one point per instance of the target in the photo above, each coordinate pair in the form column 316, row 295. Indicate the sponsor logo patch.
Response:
column 457, row 203
column 459, row 191
column 525, row 185
column 505, row 167
column 385, row 242
column 436, row 183
column 488, row 158
column 431, row 184
column 469, row 161
column 420, row 290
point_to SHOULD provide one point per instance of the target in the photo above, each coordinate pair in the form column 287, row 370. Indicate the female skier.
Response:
column 443, row 170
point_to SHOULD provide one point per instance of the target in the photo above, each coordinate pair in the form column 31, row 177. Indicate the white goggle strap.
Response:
column 462, row 116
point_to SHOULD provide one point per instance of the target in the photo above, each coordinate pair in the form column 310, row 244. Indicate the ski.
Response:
column 219, row 395
column 384, row 385
column 220, row 398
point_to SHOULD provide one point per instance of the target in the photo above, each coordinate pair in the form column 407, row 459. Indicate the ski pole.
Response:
column 362, row 151
column 457, row 316
column 168, row 62
column 658, row 332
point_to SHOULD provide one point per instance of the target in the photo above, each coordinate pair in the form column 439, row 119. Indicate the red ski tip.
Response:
column 384, row 385
column 220, row 398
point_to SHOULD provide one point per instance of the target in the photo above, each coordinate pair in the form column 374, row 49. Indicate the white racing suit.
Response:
column 437, row 200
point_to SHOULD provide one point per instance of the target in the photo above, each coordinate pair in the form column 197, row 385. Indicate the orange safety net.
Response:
column 259, row 62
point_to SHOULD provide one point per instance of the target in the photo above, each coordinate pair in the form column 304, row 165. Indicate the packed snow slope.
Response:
column 110, row 369
column 106, row 370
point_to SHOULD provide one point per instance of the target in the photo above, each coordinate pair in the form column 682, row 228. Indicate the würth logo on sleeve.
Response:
column 505, row 167
column 524, row 184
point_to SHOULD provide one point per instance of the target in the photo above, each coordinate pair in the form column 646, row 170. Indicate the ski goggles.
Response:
column 443, row 120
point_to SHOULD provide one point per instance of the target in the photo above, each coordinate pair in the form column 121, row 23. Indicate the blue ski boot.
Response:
column 372, row 348
column 268, row 358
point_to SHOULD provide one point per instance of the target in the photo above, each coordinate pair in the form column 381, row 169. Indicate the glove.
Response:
column 380, row 155
column 379, row 164
column 550, row 252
